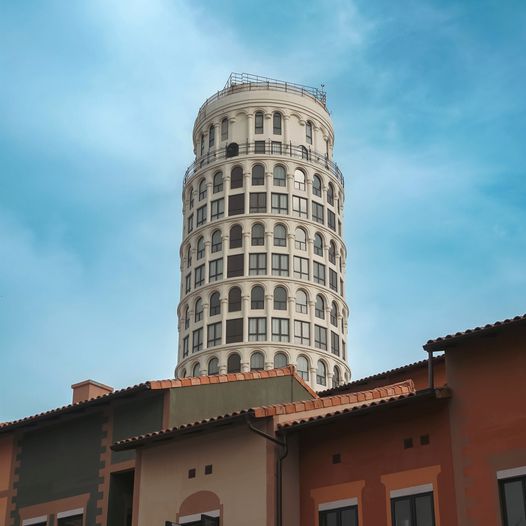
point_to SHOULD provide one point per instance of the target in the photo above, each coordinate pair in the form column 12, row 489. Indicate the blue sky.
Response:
column 97, row 101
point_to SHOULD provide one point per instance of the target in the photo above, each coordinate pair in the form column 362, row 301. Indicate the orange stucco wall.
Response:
column 374, row 461
column 6, row 470
column 487, row 377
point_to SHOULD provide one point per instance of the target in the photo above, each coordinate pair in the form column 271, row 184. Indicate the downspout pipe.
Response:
column 430, row 370
column 284, row 450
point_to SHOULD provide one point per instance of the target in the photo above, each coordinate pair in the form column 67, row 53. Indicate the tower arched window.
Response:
column 234, row 299
column 318, row 244
column 257, row 298
column 258, row 122
column 279, row 176
column 334, row 314
column 258, row 175
column 236, row 177
column 213, row 366
column 257, row 361
column 218, row 182
column 336, row 378
column 234, row 363
column 301, row 302
column 276, row 123
column 316, row 185
column 200, row 248
column 280, row 236
column 330, row 194
column 232, row 150
column 187, row 317
column 191, row 198
column 319, row 307
column 198, row 310
column 299, row 179
column 308, row 132
column 332, row 252
column 280, row 298
column 300, row 239
column 304, row 153
column 202, row 189
column 224, row 129
column 215, row 304
column 302, row 364
column 280, row 360
column 189, row 256
column 196, row 371
column 202, row 144
column 211, row 136
column 236, row 237
column 321, row 373
column 217, row 241
column 257, row 235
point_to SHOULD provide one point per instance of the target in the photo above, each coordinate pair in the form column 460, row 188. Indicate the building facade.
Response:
column 262, row 256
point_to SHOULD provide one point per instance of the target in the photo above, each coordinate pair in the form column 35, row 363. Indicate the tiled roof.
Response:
column 281, row 412
column 366, row 406
column 445, row 341
column 159, row 384
column 5, row 426
column 133, row 442
column 289, row 370
column 377, row 376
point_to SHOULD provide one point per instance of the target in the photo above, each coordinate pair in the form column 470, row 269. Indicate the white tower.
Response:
column 262, row 257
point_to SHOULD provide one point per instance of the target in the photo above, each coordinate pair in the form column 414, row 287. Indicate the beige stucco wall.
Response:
column 239, row 476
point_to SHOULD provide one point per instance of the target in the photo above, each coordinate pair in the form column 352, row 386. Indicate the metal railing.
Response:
column 246, row 82
column 268, row 147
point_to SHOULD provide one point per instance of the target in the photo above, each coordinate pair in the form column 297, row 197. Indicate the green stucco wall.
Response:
column 59, row 461
column 136, row 417
column 190, row 404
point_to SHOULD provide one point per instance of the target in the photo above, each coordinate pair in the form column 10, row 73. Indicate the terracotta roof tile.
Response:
column 366, row 379
column 445, row 341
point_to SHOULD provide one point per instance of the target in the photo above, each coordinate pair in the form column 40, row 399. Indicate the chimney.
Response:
column 89, row 389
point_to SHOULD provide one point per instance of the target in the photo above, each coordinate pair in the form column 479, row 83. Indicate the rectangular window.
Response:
column 301, row 268
column 345, row 516
column 234, row 330
column 317, row 213
column 335, row 343
column 236, row 204
column 318, row 273
column 299, row 207
column 217, row 209
column 214, row 334
column 276, row 148
column 258, row 203
column 201, row 215
column 302, row 332
column 224, row 129
column 199, row 276
column 280, row 330
column 188, row 283
column 190, row 223
column 333, row 280
column 185, row 346
column 259, row 147
column 416, row 510
column 320, row 337
column 331, row 220
column 280, row 204
column 258, row 122
column 276, row 123
column 215, row 270
column 513, row 500
column 197, row 340
column 236, row 266
column 280, row 264
column 257, row 264
column 257, row 329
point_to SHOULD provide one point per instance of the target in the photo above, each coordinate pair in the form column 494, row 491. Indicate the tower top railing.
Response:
column 247, row 82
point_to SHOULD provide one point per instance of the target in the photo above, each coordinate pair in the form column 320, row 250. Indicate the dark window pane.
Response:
column 424, row 510
column 514, row 502
column 402, row 513
column 236, row 204
column 234, row 331
column 235, row 266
